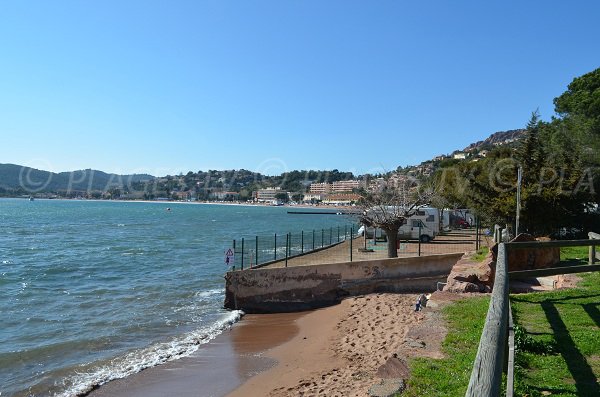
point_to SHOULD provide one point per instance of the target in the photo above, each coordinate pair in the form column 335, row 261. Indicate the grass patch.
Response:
column 450, row 376
column 480, row 255
column 560, row 335
column 574, row 253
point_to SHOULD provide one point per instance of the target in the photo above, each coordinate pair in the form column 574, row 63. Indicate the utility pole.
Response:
column 519, row 179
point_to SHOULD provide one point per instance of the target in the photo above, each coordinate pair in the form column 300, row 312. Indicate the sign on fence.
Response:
column 229, row 257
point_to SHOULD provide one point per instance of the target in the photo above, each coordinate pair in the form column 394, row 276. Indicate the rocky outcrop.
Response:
column 497, row 138
column 470, row 276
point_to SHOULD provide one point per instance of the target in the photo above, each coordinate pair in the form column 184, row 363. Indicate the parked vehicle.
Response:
column 424, row 225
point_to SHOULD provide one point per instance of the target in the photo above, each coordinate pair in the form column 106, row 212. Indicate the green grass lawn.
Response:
column 450, row 376
column 575, row 253
column 558, row 340
column 561, row 356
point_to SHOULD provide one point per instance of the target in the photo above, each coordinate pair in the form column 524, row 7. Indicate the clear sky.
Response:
column 171, row 86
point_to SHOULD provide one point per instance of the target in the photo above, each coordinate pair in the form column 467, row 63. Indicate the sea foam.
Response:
column 151, row 356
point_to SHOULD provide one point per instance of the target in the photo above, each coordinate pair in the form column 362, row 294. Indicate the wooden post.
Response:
column 593, row 254
column 486, row 377
column 510, row 367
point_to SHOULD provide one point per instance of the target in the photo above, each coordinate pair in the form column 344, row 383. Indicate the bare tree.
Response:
column 389, row 205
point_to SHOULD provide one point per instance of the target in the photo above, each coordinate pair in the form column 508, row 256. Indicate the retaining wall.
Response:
column 308, row 287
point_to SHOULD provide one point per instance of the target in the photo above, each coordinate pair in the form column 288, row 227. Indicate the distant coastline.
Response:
column 232, row 203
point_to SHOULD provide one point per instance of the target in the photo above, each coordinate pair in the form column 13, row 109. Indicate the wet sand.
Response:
column 216, row 368
column 341, row 350
column 344, row 350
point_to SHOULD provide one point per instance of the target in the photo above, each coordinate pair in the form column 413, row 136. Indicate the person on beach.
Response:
column 421, row 302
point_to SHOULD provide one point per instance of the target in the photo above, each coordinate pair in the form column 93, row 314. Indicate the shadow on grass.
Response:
column 592, row 310
column 542, row 299
column 585, row 380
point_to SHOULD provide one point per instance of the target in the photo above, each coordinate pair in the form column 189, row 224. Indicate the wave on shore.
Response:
column 83, row 382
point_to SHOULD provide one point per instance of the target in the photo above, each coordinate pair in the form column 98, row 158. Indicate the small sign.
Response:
column 229, row 257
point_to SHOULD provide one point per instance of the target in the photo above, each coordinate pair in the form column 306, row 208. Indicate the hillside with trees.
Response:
column 560, row 166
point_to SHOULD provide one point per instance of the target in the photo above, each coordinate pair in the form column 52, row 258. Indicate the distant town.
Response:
column 296, row 187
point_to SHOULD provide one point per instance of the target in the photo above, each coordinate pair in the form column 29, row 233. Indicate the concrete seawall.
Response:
column 308, row 287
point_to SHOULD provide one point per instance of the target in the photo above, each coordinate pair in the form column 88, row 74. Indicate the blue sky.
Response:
column 170, row 86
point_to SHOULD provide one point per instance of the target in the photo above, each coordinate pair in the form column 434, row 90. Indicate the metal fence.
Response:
column 344, row 244
column 263, row 250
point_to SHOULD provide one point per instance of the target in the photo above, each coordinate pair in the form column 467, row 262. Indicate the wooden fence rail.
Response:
column 594, row 255
column 486, row 376
column 497, row 336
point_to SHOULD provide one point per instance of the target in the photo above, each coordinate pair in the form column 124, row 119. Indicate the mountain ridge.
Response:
column 21, row 180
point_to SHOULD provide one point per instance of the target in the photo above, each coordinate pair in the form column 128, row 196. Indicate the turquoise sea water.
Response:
column 93, row 291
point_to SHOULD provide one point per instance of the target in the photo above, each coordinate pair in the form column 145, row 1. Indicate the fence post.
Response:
column 338, row 240
column 275, row 250
column 420, row 223
column 477, row 235
column 593, row 255
column 313, row 239
column 351, row 243
column 234, row 255
column 302, row 242
column 345, row 231
column 242, row 253
column 256, row 249
column 330, row 234
column 287, row 243
column 322, row 237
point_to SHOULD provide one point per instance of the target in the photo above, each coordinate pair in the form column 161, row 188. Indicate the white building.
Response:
column 268, row 194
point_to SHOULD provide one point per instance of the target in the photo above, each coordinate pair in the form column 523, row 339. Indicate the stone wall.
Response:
column 530, row 258
column 307, row 287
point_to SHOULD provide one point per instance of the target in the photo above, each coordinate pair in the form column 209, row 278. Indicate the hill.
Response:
column 18, row 179
column 496, row 139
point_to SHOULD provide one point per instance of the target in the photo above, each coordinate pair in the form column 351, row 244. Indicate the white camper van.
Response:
column 424, row 225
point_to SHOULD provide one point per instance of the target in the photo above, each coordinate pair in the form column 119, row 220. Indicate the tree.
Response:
column 282, row 196
column 389, row 207
column 297, row 197
column 582, row 98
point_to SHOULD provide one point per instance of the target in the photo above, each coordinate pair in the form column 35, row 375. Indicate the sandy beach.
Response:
column 346, row 349
column 341, row 350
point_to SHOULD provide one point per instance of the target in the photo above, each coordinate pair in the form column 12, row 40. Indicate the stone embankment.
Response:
column 307, row 287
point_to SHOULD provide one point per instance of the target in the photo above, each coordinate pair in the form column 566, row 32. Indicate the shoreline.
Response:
column 215, row 369
column 346, row 349
column 340, row 350
column 233, row 203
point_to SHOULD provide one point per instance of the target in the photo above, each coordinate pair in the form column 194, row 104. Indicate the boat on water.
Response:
column 31, row 198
